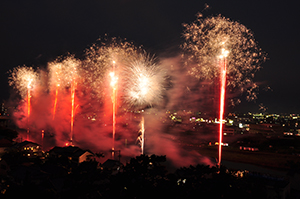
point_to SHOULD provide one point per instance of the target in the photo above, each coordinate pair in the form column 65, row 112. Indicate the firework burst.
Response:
column 205, row 39
column 63, row 71
column 23, row 79
column 143, row 81
column 98, row 63
column 103, row 64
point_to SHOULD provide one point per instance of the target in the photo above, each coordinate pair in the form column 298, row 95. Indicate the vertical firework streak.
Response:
column 73, row 88
column 113, row 84
column 142, row 136
column 223, row 72
column 28, row 107
column 205, row 38
column 55, row 101
column 73, row 64
column 43, row 139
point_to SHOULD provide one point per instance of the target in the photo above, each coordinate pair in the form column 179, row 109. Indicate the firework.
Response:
column 73, row 75
column 217, row 39
column 205, row 39
column 143, row 81
column 64, row 73
column 55, row 70
column 98, row 63
column 141, row 137
column 143, row 86
column 113, row 84
column 73, row 88
column 24, row 79
column 223, row 69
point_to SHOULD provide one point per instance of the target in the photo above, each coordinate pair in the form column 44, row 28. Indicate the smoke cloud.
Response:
column 93, row 116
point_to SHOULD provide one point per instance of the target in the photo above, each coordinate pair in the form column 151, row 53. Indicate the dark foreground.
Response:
column 144, row 176
column 272, row 160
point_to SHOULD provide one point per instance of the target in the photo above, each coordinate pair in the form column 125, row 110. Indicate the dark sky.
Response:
column 35, row 32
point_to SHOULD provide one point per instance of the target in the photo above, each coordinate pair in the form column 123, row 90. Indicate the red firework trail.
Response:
column 73, row 87
column 42, row 142
column 113, row 84
column 55, row 101
column 222, row 100
column 28, row 110
column 114, row 118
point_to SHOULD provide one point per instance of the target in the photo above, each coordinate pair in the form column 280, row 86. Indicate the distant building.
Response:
column 28, row 148
column 248, row 148
column 73, row 153
column 112, row 165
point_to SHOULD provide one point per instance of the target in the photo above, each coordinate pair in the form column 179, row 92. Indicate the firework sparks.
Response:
column 63, row 71
column 23, row 79
column 98, row 62
column 143, row 82
column 205, row 39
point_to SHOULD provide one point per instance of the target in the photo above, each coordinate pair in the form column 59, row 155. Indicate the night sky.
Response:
column 36, row 32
